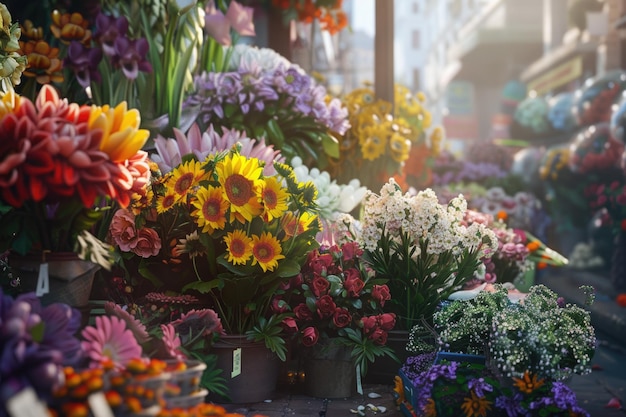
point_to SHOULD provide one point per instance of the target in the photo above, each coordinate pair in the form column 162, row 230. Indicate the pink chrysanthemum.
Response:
column 201, row 144
column 110, row 340
column 134, row 325
column 171, row 342
column 160, row 298
column 193, row 322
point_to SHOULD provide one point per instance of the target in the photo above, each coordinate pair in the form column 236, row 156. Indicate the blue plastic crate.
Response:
column 410, row 396
column 459, row 357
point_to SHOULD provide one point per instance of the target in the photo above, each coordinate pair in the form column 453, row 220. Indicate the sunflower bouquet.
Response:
column 229, row 233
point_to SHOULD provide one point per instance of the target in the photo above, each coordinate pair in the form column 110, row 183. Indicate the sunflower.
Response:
column 240, row 178
column 267, row 251
column 475, row 406
column 238, row 247
column 184, row 177
column 191, row 245
column 400, row 147
column 274, row 198
column 373, row 147
column 527, row 384
column 211, row 208
column 165, row 202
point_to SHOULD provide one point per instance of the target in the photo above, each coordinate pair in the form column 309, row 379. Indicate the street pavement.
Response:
column 594, row 391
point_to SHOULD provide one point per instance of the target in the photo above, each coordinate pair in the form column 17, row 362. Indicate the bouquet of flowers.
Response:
column 329, row 13
column 265, row 95
column 62, row 165
column 337, row 300
column 230, row 233
column 422, row 247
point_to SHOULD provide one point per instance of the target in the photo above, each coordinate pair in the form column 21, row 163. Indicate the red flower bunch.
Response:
column 329, row 12
column 336, row 299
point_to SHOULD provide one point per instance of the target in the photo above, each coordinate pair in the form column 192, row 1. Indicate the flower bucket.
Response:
column 70, row 278
column 329, row 372
column 250, row 370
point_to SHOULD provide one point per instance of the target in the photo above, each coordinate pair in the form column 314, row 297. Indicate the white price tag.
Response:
column 236, row 363
column 26, row 404
column 99, row 405
column 43, row 281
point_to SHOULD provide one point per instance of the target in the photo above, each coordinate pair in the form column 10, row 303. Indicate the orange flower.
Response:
column 502, row 215
column 621, row 300
column 542, row 265
column 528, row 383
column 43, row 62
column 70, row 27
column 532, row 246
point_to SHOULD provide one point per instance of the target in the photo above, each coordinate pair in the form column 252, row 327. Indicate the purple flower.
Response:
column 511, row 405
column 564, row 397
column 108, row 29
column 130, row 55
column 479, row 386
column 84, row 62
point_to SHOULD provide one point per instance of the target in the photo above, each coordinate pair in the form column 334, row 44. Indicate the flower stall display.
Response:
column 329, row 13
column 422, row 247
column 64, row 164
column 595, row 150
column 338, row 302
column 530, row 120
column 594, row 100
column 265, row 95
column 379, row 142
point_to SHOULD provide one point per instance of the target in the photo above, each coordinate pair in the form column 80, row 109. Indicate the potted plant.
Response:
column 232, row 234
column 63, row 166
column 337, row 304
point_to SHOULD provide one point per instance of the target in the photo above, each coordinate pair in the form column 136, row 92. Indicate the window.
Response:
column 415, row 42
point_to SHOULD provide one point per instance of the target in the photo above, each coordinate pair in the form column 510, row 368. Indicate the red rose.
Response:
column 290, row 325
column 310, row 336
column 369, row 324
column 320, row 285
column 279, row 305
column 303, row 312
column 379, row 336
column 353, row 283
column 387, row 321
column 296, row 282
column 325, row 306
column 351, row 250
column 342, row 318
column 381, row 294
column 319, row 264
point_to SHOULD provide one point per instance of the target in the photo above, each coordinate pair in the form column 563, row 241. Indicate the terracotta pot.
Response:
column 250, row 370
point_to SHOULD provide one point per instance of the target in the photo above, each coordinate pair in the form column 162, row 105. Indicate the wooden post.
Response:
column 383, row 51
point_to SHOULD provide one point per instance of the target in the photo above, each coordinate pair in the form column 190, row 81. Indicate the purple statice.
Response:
column 467, row 171
column 415, row 365
column 37, row 342
column 425, row 381
column 479, row 386
column 564, row 397
column 511, row 405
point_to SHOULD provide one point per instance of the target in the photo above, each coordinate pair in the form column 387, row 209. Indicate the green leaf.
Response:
column 330, row 145
column 276, row 135
column 288, row 268
column 203, row 287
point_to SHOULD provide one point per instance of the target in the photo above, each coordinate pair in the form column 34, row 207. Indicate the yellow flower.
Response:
column 267, row 251
column 238, row 247
column 185, row 177
column 166, row 202
column 190, row 245
column 399, row 147
column 241, row 183
column 527, row 384
column 211, row 209
column 475, row 406
column 373, row 148
column 121, row 136
column 274, row 198
column 430, row 410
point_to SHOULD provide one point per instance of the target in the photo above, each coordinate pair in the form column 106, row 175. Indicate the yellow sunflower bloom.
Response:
column 399, row 147
column 266, row 251
column 185, row 177
column 238, row 247
column 121, row 136
column 240, row 178
column 211, row 209
column 165, row 202
column 373, row 147
column 274, row 198
column 475, row 406
column 528, row 383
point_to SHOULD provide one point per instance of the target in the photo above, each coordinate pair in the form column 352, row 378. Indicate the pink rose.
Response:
column 325, row 306
column 381, row 294
column 369, row 324
column 387, row 321
column 122, row 230
column 303, row 312
column 279, row 305
column 310, row 335
column 320, row 285
column 290, row 325
column 342, row 318
column 148, row 243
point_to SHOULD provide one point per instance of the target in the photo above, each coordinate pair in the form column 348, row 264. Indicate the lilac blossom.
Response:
column 511, row 405
column 108, row 29
column 130, row 55
column 84, row 62
column 479, row 386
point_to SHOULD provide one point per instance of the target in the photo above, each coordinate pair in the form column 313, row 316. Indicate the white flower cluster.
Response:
column 521, row 208
column 425, row 220
column 584, row 257
column 332, row 198
column 250, row 57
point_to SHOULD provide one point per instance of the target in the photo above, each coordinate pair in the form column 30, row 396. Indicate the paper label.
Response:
column 26, row 404
column 43, row 281
column 236, row 363
column 99, row 405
